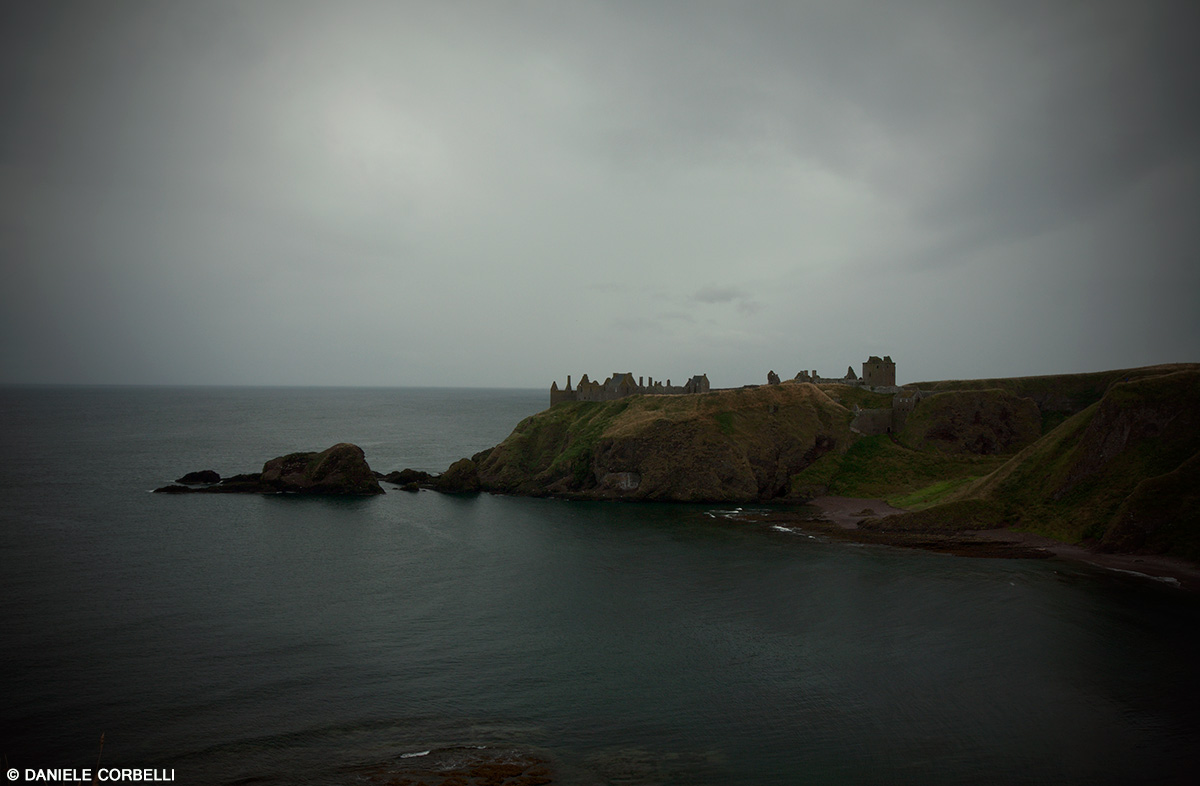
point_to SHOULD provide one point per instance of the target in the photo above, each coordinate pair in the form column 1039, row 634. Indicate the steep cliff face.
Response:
column 1146, row 425
column 732, row 445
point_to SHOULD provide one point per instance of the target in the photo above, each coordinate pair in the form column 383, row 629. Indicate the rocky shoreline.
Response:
column 857, row 520
column 342, row 470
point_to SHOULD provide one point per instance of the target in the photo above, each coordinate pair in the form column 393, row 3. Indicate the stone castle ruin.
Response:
column 878, row 374
column 620, row 385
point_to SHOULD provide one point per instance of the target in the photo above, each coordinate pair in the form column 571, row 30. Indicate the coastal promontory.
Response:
column 729, row 445
column 1108, row 460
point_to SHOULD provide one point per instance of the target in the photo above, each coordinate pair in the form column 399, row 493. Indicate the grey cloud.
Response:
column 176, row 177
column 716, row 294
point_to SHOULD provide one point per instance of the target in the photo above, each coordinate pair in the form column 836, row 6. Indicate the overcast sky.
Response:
column 504, row 193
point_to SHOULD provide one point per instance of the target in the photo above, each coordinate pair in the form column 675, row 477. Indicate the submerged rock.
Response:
column 174, row 489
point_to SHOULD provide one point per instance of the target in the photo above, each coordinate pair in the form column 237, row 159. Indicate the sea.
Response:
column 244, row 639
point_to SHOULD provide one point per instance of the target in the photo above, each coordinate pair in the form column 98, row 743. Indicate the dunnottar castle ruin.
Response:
column 878, row 375
column 621, row 385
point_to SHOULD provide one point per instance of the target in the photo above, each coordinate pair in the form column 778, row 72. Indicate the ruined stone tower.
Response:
column 879, row 373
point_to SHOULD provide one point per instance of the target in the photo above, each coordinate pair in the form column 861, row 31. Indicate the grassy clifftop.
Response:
column 730, row 445
column 1123, row 472
column 1057, row 396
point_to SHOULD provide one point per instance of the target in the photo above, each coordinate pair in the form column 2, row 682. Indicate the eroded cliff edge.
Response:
column 725, row 446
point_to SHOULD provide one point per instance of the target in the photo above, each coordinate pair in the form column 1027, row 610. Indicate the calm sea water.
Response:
column 281, row 640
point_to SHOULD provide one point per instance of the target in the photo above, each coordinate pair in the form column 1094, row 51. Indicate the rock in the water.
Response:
column 406, row 476
column 245, row 477
column 339, row 470
column 174, row 489
column 461, row 476
column 203, row 476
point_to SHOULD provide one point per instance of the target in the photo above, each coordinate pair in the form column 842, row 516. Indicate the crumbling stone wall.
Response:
column 872, row 421
column 622, row 384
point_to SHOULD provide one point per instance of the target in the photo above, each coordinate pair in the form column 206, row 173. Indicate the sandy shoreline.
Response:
column 845, row 513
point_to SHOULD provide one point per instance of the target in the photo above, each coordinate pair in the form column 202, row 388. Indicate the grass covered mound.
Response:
column 729, row 445
column 983, row 422
column 879, row 466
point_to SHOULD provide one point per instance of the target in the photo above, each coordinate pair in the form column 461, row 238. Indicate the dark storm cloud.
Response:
column 224, row 191
column 1103, row 106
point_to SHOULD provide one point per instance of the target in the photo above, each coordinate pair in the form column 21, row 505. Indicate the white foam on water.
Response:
column 793, row 531
column 1174, row 582
column 414, row 755
column 723, row 514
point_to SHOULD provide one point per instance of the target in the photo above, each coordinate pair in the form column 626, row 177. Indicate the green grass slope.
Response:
column 729, row 445
column 878, row 466
column 1122, row 472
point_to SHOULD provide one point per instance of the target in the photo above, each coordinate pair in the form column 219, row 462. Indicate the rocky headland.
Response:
column 723, row 446
column 1108, row 461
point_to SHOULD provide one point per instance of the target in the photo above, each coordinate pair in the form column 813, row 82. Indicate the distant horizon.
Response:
column 546, row 387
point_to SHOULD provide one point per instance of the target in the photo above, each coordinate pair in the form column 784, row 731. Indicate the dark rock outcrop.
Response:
column 341, row 470
column 461, row 476
column 204, row 476
column 244, row 479
column 406, row 476
column 174, row 489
